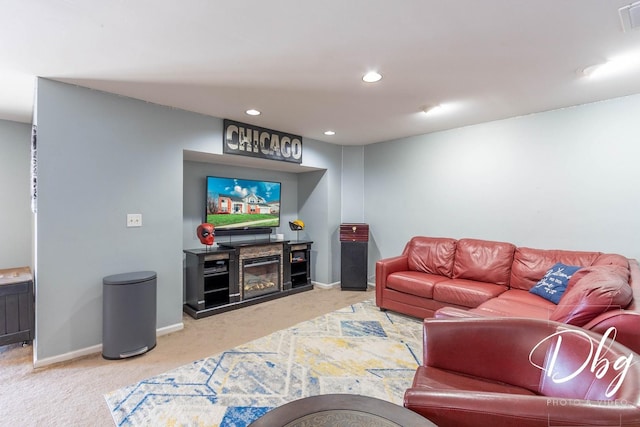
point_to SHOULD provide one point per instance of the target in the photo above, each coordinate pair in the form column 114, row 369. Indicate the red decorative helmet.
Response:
column 205, row 233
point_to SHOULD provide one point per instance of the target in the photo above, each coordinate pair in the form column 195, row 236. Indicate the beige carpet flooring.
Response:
column 71, row 393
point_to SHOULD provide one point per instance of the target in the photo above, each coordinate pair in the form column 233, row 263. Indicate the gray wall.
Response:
column 353, row 184
column 319, row 208
column 564, row 179
column 15, row 195
column 102, row 156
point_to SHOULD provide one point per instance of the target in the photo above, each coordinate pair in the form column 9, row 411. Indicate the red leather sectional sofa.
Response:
column 449, row 278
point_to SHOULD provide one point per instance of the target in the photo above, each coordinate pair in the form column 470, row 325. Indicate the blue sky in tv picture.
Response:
column 234, row 203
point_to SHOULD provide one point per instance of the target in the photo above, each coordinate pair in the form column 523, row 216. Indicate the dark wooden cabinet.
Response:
column 354, row 232
column 211, row 281
column 17, row 312
column 354, row 238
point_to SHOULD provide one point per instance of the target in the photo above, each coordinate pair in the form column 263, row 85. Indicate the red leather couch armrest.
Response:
column 384, row 268
column 391, row 265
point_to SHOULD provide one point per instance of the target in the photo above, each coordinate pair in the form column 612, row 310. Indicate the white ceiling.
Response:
column 300, row 62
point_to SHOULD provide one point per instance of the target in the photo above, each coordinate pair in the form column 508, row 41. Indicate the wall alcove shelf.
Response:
column 213, row 276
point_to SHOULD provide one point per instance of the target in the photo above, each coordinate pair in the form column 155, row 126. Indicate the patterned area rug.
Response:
column 358, row 350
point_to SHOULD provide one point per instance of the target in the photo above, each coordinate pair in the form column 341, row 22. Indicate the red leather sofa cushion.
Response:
column 483, row 261
column 414, row 283
column 500, row 307
column 512, row 303
column 592, row 291
column 527, row 297
column 466, row 293
column 432, row 255
column 530, row 265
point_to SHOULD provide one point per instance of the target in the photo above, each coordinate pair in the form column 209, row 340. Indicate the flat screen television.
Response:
column 235, row 204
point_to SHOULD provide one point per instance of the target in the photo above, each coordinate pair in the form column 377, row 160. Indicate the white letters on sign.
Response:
column 252, row 141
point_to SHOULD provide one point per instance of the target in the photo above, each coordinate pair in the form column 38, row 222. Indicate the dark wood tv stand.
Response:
column 213, row 275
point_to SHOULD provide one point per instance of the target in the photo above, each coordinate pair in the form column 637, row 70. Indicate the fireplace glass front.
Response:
column 261, row 276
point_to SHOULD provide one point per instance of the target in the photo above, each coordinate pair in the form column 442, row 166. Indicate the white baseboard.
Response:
column 169, row 329
column 40, row 363
column 325, row 285
column 335, row 284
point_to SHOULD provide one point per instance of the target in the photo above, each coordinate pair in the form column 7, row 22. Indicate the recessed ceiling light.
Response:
column 371, row 77
column 253, row 112
column 611, row 67
column 329, row 132
column 431, row 109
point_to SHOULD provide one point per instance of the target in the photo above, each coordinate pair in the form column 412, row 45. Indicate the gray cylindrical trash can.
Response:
column 128, row 314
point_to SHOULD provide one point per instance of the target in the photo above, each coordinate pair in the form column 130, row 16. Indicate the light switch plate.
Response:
column 134, row 220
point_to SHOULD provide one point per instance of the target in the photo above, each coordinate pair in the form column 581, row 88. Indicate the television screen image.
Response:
column 234, row 203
